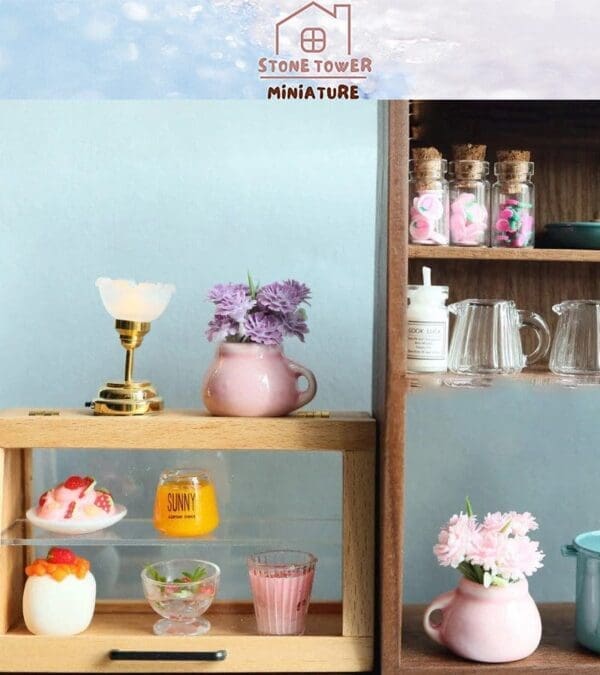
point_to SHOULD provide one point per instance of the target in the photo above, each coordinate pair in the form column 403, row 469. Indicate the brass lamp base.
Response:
column 127, row 398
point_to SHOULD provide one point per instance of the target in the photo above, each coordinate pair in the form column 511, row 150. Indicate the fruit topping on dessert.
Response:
column 76, row 498
column 61, row 555
column 104, row 500
column 59, row 563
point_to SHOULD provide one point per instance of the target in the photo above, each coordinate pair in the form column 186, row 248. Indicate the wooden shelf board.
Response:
column 128, row 626
column 186, row 429
column 535, row 376
column 558, row 651
column 503, row 254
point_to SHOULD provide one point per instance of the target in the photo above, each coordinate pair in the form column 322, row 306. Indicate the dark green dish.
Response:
column 573, row 235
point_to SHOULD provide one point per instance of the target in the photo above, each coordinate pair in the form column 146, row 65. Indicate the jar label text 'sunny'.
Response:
column 181, row 505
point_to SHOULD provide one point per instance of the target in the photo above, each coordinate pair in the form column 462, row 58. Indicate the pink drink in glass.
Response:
column 281, row 584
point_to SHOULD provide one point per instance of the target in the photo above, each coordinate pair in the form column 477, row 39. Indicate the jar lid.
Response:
column 186, row 476
column 588, row 541
column 425, row 293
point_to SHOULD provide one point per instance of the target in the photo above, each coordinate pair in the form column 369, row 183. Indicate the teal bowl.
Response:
column 586, row 549
column 573, row 235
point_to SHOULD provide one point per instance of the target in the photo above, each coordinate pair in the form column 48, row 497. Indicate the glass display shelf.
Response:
column 141, row 532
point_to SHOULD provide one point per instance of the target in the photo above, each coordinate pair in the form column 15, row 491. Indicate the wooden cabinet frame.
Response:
column 564, row 138
column 337, row 637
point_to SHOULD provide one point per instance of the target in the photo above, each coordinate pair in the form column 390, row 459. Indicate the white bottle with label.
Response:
column 427, row 315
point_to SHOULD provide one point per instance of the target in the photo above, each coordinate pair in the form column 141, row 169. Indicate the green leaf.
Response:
column 152, row 572
column 468, row 571
column 469, row 507
column 198, row 573
column 252, row 286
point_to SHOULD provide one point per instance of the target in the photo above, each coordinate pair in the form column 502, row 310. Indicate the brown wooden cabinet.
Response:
column 338, row 636
column 564, row 137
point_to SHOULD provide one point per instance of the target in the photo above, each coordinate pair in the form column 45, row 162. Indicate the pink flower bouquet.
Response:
column 494, row 552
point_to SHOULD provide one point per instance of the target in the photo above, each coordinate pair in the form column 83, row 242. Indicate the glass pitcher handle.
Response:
column 535, row 321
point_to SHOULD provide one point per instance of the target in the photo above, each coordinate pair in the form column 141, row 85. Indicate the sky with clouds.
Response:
column 90, row 49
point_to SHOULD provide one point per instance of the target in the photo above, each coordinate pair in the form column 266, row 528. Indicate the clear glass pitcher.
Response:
column 576, row 346
column 487, row 339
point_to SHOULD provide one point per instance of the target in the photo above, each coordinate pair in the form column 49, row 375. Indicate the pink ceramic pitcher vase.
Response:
column 250, row 380
column 493, row 625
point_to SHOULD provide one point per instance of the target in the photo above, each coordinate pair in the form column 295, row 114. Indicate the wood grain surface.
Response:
column 186, row 429
column 12, row 558
column 359, row 543
column 389, row 368
column 128, row 626
column 473, row 253
column 558, row 651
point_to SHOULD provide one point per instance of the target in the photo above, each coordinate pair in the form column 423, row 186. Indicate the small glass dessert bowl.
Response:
column 181, row 591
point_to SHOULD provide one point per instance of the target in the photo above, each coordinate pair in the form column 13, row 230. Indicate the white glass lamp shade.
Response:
column 129, row 301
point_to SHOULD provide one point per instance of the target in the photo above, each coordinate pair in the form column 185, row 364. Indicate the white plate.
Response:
column 76, row 526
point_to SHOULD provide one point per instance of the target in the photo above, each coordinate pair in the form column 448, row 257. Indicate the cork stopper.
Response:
column 513, row 167
column 428, row 167
column 469, row 161
column 513, row 156
column 420, row 154
column 469, row 151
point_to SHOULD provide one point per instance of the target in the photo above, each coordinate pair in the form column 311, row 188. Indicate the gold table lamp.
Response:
column 134, row 307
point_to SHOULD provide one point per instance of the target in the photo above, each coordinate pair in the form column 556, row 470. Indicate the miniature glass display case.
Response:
column 338, row 637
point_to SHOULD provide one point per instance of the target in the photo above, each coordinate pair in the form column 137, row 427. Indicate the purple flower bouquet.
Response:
column 258, row 314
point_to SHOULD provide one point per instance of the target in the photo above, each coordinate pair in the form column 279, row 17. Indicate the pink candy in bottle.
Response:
column 428, row 187
column 469, row 196
column 513, row 200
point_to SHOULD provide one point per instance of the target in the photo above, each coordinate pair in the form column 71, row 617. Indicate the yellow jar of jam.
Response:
column 186, row 503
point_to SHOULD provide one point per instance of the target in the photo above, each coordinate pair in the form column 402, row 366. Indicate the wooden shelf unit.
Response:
column 339, row 636
column 128, row 627
column 475, row 254
column 567, row 182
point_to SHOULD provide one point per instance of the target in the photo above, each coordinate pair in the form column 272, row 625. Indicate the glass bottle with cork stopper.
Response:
column 469, row 196
column 427, row 324
column 428, row 190
column 513, row 200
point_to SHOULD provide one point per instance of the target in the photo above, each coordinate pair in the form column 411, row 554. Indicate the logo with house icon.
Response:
column 314, row 29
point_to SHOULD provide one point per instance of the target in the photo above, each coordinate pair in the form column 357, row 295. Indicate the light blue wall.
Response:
column 192, row 193
column 512, row 447
column 199, row 192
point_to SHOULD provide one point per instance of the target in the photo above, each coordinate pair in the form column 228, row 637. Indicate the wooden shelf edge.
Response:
column 126, row 625
column 558, row 651
column 450, row 381
column 475, row 254
column 186, row 429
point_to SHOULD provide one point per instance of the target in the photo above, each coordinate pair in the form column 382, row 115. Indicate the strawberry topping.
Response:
column 104, row 501
column 70, row 510
column 76, row 482
column 89, row 481
column 61, row 556
column 43, row 499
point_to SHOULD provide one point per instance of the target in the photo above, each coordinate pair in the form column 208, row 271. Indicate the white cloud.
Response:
column 136, row 11
column 99, row 28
